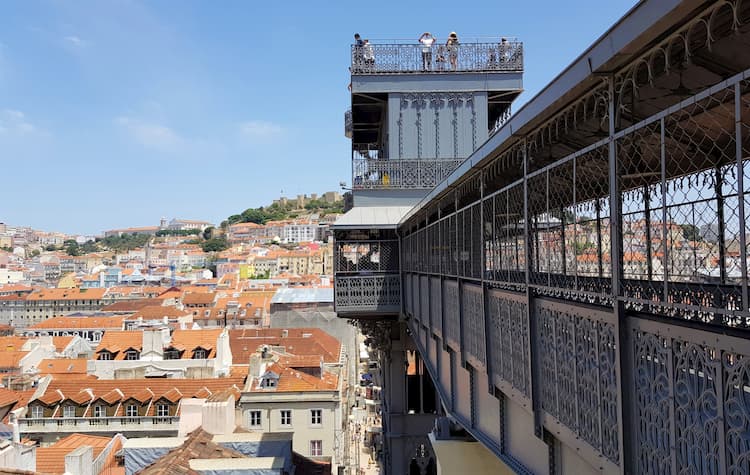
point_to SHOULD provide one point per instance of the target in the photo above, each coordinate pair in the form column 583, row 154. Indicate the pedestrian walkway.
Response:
column 359, row 453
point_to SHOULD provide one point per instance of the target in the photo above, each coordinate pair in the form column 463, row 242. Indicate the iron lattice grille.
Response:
column 577, row 355
column 372, row 173
column 409, row 58
column 691, row 402
column 368, row 293
column 509, row 331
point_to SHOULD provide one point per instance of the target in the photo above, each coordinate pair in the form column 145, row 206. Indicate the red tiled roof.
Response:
column 51, row 460
column 297, row 342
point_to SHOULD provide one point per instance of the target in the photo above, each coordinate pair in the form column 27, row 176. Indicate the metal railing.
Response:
column 52, row 424
column 621, row 265
column 377, row 293
column 368, row 174
column 439, row 58
column 354, row 257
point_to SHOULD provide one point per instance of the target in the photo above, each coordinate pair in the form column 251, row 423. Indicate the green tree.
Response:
column 215, row 245
column 691, row 232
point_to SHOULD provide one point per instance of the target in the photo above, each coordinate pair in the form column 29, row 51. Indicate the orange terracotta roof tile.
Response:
column 112, row 397
column 198, row 298
column 118, row 341
column 62, row 367
column 130, row 305
column 11, row 359
column 8, row 397
column 202, row 393
column 66, row 294
column 83, row 396
column 141, row 390
column 189, row 340
column 61, row 342
column 143, row 395
column 50, row 398
column 157, row 312
column 173, row 395
column 297, row 342
column 51, row 460
column 291, row 380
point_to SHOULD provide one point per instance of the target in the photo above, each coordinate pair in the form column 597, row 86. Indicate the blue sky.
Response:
column 115, row 113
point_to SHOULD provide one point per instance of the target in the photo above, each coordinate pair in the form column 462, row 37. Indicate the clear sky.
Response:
column 114, row 113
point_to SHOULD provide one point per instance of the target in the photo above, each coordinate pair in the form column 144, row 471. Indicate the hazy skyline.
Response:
column 115, row 113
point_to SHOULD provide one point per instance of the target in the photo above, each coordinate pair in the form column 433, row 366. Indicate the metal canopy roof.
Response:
column 303, row 295
column 384, row 217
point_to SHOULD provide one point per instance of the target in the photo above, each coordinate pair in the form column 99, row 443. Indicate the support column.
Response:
column 622, row 361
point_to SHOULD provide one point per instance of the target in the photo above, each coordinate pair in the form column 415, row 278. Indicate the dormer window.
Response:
column 105, row 356
column 269, row 380
column 200, row 354
column 132, row 355
column 171, row 354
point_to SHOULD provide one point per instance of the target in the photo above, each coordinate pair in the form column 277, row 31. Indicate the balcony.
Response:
column 408, row 58
column 384, row 174
column 376, row 294
column 97, row 424
column 367, row 279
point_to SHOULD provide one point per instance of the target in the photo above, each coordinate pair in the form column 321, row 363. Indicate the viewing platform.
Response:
column 415, row 58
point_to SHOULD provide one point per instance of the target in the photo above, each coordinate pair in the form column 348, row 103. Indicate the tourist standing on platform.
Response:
column 358, row 53
column 427, row 41
column 369, row 55
column 452, row 46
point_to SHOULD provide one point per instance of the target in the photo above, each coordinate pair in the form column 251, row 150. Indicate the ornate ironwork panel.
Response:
column 376, row 293
column 451, row 314
column 370, row 173
column 509, row 333
column 576, row 353
column 472, row 311
column 415, row 58
column 692, row 404
column 652, row 387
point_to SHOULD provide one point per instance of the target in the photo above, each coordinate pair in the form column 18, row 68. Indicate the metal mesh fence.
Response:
column 680, row 236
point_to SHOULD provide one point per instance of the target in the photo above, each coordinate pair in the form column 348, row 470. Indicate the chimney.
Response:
column 16, row 429
column 284, row 333
column 152, row 348
column 80, row 461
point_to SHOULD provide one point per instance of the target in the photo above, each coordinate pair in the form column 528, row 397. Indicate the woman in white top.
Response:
column 427, row 41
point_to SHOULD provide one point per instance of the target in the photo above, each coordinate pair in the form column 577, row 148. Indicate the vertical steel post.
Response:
column 647, row 219
column 740, row 189
column 622, row 362
column 533, row 370
column 664, row 236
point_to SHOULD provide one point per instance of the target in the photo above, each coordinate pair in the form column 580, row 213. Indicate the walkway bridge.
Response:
column 577, row 288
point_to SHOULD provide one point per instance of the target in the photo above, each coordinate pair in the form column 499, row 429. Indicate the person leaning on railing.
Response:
column 358, row 51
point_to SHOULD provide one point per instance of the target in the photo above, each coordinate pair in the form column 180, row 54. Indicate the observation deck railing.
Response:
column 367, row 276
column 418, row 173
column 416, row 58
